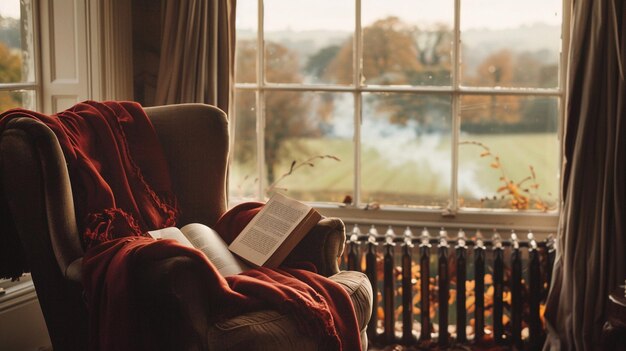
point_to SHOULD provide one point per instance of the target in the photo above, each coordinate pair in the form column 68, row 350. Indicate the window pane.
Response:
column 16, row 42
column 407, row 42
column 509, row 152
column 315, row 128
column 17, row 98
column 246, row 49
column 309, row 41
column 406, row 148
column 510, row 43
column 406, row 154
column 244, row 182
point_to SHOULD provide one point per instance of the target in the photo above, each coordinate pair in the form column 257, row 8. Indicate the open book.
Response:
column 274, row 231
column 209, row 242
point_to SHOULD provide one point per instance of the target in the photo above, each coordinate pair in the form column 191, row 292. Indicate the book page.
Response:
column 269, row 228
column 208, row 241
column 213, row 246
column 171, row 233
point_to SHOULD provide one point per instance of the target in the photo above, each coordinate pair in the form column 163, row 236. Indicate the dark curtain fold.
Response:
column 197, row 52
column 591, row 254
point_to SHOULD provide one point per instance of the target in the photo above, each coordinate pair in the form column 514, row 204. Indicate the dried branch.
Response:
column 297, row 165
column 509, row 188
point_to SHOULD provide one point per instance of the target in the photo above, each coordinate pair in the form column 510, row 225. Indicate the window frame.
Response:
column 411, row 216
column 35, row 85
column 23, row 286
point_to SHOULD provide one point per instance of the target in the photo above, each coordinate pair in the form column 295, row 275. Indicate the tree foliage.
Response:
column 318, row 63
column 10, row 65
column 286, row 113
column 10, row 61
column 508, row 113
column 494, row 71
column 10, row 72
column 395, row 53
column 10, row 32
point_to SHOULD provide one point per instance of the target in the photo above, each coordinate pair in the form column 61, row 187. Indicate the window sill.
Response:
column 16, row 293
column 540, row 223
column 537, row 222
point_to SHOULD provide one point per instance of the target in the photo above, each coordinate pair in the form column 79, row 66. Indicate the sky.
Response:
column 331, row 14
column 10, row 8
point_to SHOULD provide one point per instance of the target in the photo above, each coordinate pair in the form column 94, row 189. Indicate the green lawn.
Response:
column 418, row 171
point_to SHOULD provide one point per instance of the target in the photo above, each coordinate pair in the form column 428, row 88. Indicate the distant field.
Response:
column 417, row 171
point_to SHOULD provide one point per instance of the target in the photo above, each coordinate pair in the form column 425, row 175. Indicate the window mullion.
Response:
column 37, row 53
column 260, row 101
column 455, row 92
column 563, row 82
column 456, row 109
column 445, row 90
column 358, row 99
column 17, row 86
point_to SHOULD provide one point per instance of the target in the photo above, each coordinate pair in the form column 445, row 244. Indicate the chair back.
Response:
column 39, row 195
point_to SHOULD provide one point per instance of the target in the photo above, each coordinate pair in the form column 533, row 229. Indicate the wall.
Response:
column 85, row 52
column 146, row 49
column 65, row 52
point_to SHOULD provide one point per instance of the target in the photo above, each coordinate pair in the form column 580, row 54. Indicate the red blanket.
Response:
column 320, row 307
column 120, row 181
column 114, row 194
column 122, row 189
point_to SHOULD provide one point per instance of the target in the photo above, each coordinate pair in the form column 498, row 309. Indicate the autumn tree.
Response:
column 10, row 61
column 496, row 70
column 395, row 53
column 10, row 58
column 10, row 32
column 389, row 54
column 318, row 63
column 287, row 114
column 507, row 113
column 10, row 65
column 10, row 72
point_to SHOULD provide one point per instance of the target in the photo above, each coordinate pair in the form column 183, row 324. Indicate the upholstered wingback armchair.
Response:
column 195, row 140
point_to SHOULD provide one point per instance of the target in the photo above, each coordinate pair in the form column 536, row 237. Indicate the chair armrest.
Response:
column 173, row 302
column 322, row 246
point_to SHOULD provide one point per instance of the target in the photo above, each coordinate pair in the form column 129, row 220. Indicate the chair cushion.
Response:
column 271, row 330
column 360, row 290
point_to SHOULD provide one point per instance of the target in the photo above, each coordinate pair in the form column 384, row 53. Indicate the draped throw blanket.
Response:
column 115, row 194
column 122, row 189
column 320, row 308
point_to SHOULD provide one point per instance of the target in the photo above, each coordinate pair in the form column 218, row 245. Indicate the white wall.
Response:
column 65, row 54
column 86, row 51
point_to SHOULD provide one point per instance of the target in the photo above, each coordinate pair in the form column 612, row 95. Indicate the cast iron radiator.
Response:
column 441, row 290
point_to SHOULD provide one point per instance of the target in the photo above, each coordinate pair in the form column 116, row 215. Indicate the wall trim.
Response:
column 18, row 296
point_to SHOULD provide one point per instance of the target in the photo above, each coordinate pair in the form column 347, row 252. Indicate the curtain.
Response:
column 591, row 253
column 197, row 52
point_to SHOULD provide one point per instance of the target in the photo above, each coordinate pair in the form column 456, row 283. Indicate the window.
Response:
column 431, row 106
column 18, row 83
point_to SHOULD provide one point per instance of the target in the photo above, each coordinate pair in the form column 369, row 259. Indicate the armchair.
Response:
column 195, row 142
